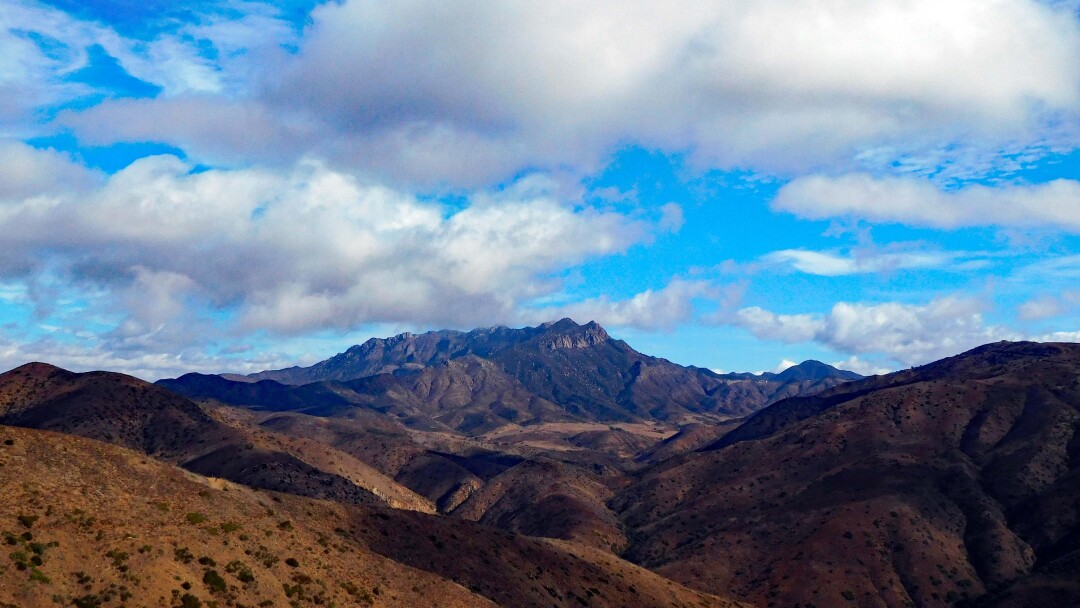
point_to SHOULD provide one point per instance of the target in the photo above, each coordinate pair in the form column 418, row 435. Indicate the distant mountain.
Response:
column 475, row 381
column 955, row 483
column 814, row 370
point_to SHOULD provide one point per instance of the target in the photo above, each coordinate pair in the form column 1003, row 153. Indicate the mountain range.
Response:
column 547, row 466
column 474, row 382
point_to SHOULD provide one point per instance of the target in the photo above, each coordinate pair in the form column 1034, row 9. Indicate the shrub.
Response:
column 28, row 520
column 189, row 601
column 214, row 581
column 195, row 518
column 183, row 555
column 37, row 575
column 292, row 562
column 240, row 570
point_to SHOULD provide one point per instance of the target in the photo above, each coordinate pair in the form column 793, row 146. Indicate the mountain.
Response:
column 473, row 382
column 956, row 483
column 811, row 370
column 87, row 523
column 137, row 415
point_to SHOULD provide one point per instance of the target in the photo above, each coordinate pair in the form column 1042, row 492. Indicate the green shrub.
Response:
column 195, row 518
column 214, row 581
column 28, row 520
column 37, row 575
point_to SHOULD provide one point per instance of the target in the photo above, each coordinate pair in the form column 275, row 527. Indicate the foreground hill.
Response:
column 954, row 482
column 474, row 382
column 140, row 416
column 92, row 524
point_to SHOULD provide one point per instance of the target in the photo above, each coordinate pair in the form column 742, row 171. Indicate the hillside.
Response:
column 134, row 414
column 92, row 524
column 925, row 487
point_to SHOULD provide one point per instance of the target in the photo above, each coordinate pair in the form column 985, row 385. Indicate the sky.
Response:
column 230, row 186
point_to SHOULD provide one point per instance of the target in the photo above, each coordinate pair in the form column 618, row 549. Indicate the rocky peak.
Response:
column 568, row 334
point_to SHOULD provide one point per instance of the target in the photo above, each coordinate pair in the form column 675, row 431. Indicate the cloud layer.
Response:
column 467, row 93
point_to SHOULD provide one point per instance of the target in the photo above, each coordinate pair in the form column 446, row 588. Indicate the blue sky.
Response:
column 233, row 186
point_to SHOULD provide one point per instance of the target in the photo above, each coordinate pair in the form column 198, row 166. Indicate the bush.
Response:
column 195, row 518
column 292, row 562
column 240, row 570
column 183, row 555
column 28, row 520
column 214, row 581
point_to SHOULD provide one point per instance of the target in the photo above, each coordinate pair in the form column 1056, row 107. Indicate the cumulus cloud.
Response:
column 302, row 250
column 918, row 202
column 468, row 93
column 29, row 172
column 908, row 334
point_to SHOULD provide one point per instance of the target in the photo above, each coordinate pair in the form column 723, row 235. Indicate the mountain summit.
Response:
column 408, row 351
column 814, row 370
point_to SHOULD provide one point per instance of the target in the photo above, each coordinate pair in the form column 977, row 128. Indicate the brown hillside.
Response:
column 110, row 526
column 925, row 487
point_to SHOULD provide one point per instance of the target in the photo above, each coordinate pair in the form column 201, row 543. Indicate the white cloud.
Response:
column 784, row 364
column 918, row 202
column 301, row 250
column 671, row 217
column 908, row 334
column 27, row 172
column 862, row 366
column 784, row 328
column 1048, row 306
column 834, row 264
column 40, row 46
column 650, row 310
column 468, row 92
